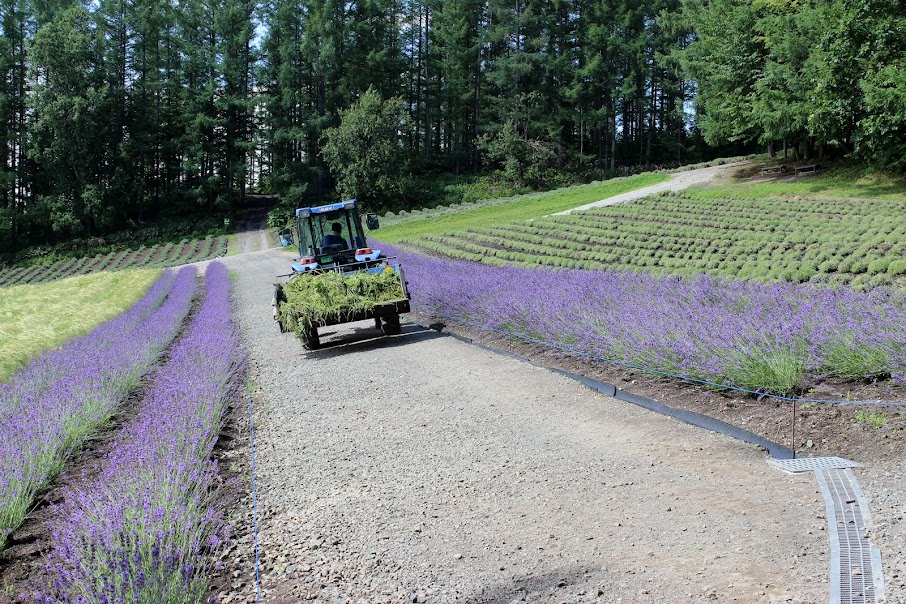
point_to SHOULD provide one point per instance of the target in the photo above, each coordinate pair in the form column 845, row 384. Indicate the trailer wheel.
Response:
column 391, row 325
column 310, row 339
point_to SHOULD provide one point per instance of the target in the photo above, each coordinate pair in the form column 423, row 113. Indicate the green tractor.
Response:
column 337, row 277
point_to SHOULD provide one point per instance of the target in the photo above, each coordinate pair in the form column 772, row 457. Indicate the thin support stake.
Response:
column 248, row 387
column 793, row 444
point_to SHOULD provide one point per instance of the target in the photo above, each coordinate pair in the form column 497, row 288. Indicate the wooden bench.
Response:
column 806, row 169
column 773, row 170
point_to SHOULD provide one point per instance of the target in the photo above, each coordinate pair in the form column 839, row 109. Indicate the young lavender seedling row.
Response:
column 161, row 255
column 138, row 531
column 856, row 242
column 53, row 404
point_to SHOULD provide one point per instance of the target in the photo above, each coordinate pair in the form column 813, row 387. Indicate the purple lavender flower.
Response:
column 50, row 406
column 773, row 337
column 137, row 532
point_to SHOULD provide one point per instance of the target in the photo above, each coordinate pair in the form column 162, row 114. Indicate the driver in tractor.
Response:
column 334, row 237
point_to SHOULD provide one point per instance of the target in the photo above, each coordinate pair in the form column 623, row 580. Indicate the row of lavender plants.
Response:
column 139, row 529
column 53, row 404
column 778, row 338
column 163, row 255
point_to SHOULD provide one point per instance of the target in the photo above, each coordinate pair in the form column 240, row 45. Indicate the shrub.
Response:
column 853, row 360
column 828, row 266
column 896, row 267
column 859, row 267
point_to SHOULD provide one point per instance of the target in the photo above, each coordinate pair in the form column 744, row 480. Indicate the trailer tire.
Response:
column 310, row 339
column 391, row 325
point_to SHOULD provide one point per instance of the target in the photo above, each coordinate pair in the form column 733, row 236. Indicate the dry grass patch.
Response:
column 38, row 317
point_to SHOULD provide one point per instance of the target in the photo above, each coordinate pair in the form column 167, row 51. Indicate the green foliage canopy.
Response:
column 365, row 152
column 810, row 74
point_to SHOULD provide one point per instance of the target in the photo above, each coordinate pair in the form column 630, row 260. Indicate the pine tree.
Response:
column 17, row 29
column 235, row 30
column 71, row 133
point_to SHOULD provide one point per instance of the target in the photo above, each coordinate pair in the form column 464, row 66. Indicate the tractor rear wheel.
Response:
column 391, row 325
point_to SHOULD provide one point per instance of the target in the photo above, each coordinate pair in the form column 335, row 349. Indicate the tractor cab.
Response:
column 331, row 238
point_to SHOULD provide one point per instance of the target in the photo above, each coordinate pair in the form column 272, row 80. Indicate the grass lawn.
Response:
column 843, row 182
column 37, row 317
column 495, row 212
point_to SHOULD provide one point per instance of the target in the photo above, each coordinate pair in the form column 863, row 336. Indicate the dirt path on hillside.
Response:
column 677, row 182
column 253, row 234
column 421, row 469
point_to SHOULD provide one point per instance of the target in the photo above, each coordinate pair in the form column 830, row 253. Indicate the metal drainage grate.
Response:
column 813, row 464
column 856, row 575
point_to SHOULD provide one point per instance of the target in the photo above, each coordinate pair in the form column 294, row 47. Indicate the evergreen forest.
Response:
column 114, row 113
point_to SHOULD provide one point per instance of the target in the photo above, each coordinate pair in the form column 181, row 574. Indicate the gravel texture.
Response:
column 884, row 484
column 421, row 469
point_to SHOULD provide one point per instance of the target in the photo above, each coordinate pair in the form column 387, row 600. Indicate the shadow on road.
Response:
column 541, row 586
column 251, row 220
column 365, row 337
column 251, row 232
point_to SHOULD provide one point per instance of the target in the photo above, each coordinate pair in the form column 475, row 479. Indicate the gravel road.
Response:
column 677, row 182
column 421, row 469
column 884, row 484
column 253, row 235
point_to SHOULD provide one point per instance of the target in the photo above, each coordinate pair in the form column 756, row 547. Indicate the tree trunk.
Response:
column 427, row 87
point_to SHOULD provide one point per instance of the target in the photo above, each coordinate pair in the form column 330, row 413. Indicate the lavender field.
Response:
column 50, row 406
column 139, row 526
column 156, row 256
column 778, row 338
column 857, row 242
column 139, row 531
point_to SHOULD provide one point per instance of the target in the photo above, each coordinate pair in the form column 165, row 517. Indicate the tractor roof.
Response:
column 333, row 207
